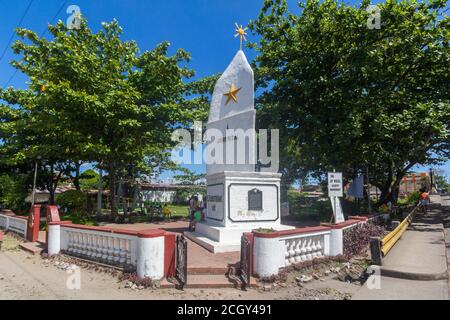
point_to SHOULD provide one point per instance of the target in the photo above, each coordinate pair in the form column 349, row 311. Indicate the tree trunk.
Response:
column 76, row 180
column 112, row 188
column 52, row 186
column 100, row 193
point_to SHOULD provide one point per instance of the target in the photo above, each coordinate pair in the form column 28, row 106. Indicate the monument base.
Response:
column 238, row 202
column 218, row 239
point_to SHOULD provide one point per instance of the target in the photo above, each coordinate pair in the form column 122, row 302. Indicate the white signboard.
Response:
column 335, row 188
column 337, row 210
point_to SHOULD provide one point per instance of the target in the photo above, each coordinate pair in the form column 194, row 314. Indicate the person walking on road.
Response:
column 424, row 200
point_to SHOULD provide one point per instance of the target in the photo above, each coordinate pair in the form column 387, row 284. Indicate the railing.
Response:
column 105, row 246
column 13, row 223
column 303, row 247
column 379, row 248
column 389, row 241
column 3, row 221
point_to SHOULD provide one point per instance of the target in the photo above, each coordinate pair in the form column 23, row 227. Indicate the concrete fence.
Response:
column 150, row 252
column 275, row 250
column 16, row 224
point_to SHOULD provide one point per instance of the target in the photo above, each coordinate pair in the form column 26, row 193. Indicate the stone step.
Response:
column 202, row 281
column 32, row 247
column 207, row 270
column 166, row 284
column 211, row 245
column 208, row 281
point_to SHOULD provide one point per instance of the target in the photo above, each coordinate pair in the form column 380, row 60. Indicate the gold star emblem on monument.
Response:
column 232, row 94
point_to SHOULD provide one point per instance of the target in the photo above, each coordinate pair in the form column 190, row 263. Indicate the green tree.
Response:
column 347, row 97
column 94, row 97
column 441, row 180
column 13, row 191
column 191, row 184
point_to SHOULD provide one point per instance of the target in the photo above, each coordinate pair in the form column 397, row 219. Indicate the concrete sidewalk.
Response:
column 416, row 267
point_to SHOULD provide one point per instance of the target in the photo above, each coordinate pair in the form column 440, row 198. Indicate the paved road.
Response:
column 416, row 266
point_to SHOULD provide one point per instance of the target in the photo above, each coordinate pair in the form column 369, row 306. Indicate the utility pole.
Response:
column 100, row 192
column 368, row 191
column 34, row 181
column 431, row 180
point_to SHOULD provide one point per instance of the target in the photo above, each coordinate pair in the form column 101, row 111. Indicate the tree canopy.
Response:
column 93, row 97
column 347, row 97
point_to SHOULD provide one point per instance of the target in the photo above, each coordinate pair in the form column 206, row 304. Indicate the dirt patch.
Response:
column 11, row 242
column 24, row 276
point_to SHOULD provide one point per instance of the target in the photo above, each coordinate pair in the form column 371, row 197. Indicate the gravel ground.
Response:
column 24, row 276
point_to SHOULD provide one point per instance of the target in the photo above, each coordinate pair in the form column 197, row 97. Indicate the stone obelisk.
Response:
column 239, row 199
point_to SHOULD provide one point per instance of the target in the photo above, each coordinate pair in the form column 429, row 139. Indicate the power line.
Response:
column 14, row 31
column 42, row 34
column 10, row 78
column 55, row 16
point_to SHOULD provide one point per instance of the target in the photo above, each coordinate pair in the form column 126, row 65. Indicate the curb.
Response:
column 414, row 276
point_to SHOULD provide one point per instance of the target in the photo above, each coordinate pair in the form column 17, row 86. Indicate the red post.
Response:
column 33, row 223
column 250, row 237
column 170, row 240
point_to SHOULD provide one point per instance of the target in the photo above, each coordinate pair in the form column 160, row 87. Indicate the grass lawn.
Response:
column 179, row 210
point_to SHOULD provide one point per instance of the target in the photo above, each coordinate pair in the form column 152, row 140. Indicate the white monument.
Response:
column 239, row 199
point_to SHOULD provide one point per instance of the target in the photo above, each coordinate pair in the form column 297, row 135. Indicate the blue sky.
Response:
column 205, row 28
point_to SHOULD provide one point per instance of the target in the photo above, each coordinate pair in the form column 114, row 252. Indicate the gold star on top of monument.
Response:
column 240, row 32
column 232, row 94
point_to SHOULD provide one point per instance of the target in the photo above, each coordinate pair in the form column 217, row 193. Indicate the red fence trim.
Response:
column 149, row 233
column 250, row 237
column 277, row 234
column 342, row 224
column 169, row 254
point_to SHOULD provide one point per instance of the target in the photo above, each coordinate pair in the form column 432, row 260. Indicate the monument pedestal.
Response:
column 238, row 202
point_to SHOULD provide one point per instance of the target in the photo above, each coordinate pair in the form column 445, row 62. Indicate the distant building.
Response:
column 413, row 181
column 164, row 192
column 43, row 196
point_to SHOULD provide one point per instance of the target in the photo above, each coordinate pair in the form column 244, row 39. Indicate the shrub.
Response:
column 411, row 199
column 356, row 239
column 74, row 201
column 13, row 191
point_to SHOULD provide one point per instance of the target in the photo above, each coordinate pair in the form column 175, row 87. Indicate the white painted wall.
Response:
column 150, row 258
column 54, row 239
column 11, row 223
column 158, row 196
column 268, row 255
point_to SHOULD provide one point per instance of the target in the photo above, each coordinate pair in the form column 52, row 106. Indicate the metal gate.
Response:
column 244, row 265
column 181, row 261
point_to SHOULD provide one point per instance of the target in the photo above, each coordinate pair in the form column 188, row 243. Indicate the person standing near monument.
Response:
column 194, row 206
column 167, row 213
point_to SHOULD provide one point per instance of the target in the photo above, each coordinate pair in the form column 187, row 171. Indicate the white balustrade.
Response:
column 3, row 222
column 303, row 247
column 15, row 224
column 102, row 246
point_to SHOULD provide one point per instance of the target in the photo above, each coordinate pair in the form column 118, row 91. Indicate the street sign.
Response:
column 335, row 188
